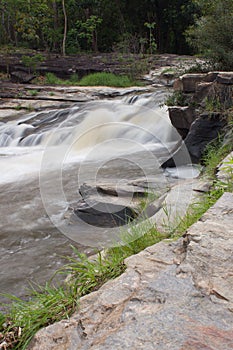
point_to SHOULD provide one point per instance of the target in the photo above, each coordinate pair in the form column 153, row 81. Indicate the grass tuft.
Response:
column 47, row 305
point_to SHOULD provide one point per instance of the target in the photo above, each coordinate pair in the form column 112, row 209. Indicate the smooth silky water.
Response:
column 45, row 157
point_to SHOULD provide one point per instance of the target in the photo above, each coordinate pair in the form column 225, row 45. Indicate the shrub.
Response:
column 213, row 32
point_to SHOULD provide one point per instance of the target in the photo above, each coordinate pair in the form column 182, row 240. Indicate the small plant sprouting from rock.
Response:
column 213, row 104
column 177, row 98
column 33, row 92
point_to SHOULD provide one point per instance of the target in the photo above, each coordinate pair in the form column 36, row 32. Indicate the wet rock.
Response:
column 173, row 295
column 108, row 204
column 103, row 214
column 182, row 118
column 203, row 130
column 122, row 190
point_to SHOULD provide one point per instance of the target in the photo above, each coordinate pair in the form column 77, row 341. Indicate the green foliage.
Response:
column 88, row 275
column 2, row 321
column 106, row 79
column 227, row 168
column 88, row 30
column 95, row 79
column 33, row 92
column 213, row 32
column 177, row 98
column 32, row 61
column 39, row 24
column 213, row 155
column 47, row 305
column 51, row 79
column 152, row 44
column 213, row 104
column 196, row 210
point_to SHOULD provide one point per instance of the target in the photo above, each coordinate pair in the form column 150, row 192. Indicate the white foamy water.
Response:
column 97, row 130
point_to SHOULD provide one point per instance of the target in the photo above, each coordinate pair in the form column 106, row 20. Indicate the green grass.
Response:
column 33, row 92
column 106, row 79
column 95, row 79
column 47, row 305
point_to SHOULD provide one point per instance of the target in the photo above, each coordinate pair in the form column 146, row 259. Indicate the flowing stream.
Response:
column 46, row 156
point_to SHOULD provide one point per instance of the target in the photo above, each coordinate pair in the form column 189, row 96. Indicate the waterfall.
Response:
column 96, row 130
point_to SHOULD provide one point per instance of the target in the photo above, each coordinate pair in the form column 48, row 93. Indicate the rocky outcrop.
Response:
column 173, row 295
column 203, row 130
column 182, row 119
column 187, row 83
column 217, row 87
column 203, row 119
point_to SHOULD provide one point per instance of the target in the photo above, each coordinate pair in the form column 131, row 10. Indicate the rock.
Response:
column 21, row 77
column 110, row 189
column 225, row 169
column 173, row 295
column 108, row 204
column 187, row 82
column 202, row 91
column 225, row 78
column 182, row 118
column 103, row 214
column 203, row 130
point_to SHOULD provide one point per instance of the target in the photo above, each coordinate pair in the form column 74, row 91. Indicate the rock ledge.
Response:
column 173, row 295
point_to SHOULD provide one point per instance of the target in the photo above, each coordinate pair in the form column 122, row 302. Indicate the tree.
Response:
column 65, row 28
column 212, row 33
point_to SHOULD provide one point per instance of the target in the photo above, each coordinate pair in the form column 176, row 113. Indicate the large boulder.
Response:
column 204, row 129
column 182, row 118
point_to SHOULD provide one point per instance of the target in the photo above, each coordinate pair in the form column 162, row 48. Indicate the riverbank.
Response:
column 173, row 295
column 100, row 274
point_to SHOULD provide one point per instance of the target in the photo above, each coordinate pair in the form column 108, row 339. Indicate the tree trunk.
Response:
column 65, row 28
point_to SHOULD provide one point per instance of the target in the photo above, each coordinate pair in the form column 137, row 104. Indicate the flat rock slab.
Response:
column 173, row 295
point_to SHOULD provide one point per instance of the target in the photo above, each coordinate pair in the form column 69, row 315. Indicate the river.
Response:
column 46, row 156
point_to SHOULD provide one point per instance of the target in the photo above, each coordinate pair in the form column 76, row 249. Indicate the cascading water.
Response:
column 113, row 140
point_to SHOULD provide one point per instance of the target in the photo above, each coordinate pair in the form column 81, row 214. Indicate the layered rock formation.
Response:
column 173, row 295
column 202, row 119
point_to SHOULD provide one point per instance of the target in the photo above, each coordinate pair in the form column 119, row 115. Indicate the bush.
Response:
column 213, row 32
column 51, row 79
